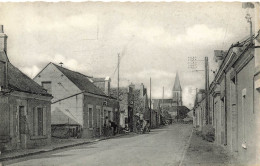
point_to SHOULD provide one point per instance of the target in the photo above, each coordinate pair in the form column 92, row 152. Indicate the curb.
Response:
column 186, row 148
column 58, row 148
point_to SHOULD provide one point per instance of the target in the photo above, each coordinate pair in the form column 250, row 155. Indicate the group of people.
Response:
column 110, row 127
column 142, row 126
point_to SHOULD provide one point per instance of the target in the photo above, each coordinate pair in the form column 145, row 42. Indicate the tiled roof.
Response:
column 82, row 81
column 20, row 82
column 156, row 102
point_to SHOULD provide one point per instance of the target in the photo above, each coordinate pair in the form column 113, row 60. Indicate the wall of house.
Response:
column 234, row 116
column 223, row 110
column 211, row 109
column 72, row 106
column 24, row 138
column 217, row 111
column 246, row 113
column 228, row 110
column 61, row 86
column 95, row 103
column 200, row 114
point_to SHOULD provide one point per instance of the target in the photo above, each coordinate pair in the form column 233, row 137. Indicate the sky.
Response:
column 153, row 39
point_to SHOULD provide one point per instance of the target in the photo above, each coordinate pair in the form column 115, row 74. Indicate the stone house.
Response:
column 25, row 107
column 76, row 96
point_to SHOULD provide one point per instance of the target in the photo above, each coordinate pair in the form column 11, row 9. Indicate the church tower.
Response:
column 177, row 92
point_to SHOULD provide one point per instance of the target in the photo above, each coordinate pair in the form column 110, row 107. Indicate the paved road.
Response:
column 161, row 147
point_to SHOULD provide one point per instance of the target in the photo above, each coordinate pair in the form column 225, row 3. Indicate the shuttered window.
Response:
column 90, row 113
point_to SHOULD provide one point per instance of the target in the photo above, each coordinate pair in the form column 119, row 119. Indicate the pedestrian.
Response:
column 106, row 127
column 114, row 127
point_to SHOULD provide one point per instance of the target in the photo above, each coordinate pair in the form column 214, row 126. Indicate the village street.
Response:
column 165, row 146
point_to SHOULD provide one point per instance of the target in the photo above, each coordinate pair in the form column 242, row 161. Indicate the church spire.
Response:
column 177, row 84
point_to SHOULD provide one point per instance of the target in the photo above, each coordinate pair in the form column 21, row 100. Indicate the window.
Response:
column 90, row 117
column 39, row 121
column 47, row 85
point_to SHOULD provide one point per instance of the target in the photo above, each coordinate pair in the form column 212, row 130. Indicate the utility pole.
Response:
column 207, row 88
column 118, row 106
column 118, row 59
column 177, row 107
column 150, row 101
column 193, row 65
column 248, row 5
column 163, row 94
column 249, row 20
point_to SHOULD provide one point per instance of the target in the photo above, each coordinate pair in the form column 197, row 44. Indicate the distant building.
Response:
column 83, row 106
column 126, row 104
column 177, row 92
column 25, row 107
column 173, row 104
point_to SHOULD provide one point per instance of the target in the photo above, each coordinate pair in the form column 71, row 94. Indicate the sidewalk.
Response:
column 203, row 153
column 55, row 145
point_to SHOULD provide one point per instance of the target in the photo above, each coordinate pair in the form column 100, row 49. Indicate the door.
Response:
column 21, row 126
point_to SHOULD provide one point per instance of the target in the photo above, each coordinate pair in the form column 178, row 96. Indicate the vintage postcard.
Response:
column 129, row 83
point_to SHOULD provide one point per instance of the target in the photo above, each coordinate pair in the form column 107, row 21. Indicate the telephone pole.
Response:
column 150, row 101
column 163, row 95
column 118, row 59
column 118, row 106
column 207, row 88
column 193, row 65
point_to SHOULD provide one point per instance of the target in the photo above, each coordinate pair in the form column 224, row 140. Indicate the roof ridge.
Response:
column 77, row 78
column 72, row 71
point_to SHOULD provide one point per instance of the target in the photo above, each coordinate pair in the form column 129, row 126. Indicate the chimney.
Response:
column 3, row 39
column 131, row 88
column 3, row 59
column 107, row 86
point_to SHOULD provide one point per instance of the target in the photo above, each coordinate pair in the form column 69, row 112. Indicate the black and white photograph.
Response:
column 114, row 83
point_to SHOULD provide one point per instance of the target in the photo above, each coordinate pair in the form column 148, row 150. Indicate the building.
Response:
column 25, row 107
column 177, row 92
column 86, row 107
column 234, row 101
column 199, row 109
column 126, row 104
column 173, row 105
column 139, row 102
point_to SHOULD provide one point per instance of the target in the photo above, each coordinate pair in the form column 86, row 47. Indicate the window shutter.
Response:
column 35, row 121
column 44, row 118
column 11, row 120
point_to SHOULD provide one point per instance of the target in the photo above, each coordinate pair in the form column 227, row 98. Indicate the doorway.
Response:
column 21, row 127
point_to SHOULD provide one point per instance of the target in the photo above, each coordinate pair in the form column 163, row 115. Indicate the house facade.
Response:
column 25, row 107
column 82, row 103
column 234, row 101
